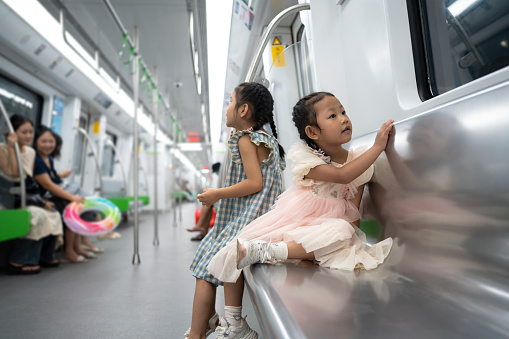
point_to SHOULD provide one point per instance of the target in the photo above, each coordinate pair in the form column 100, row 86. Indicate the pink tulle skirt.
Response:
column 319, row 224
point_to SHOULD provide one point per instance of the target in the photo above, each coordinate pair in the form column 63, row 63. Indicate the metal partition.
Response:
column 97, row 163
column 118, row 160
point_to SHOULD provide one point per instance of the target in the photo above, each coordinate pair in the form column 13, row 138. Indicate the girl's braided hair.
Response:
column 304, row 114
column 260, row 102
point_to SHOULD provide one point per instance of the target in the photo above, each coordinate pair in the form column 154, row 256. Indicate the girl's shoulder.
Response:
column 257, row 138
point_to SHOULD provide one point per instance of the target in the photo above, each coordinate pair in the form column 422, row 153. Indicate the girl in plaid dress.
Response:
column 252, row 185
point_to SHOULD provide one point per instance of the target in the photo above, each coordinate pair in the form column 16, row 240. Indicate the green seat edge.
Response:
column 15, row 224
column 371, row 228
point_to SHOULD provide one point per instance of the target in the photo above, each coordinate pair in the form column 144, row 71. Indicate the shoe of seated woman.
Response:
column 23, row 269
column 92, row 248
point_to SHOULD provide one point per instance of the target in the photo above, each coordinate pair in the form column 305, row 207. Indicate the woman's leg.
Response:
column 26, row 253
column 48, row 249
column 203, row 308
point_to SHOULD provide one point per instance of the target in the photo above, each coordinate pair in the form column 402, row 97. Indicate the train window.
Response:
column 20, row 100
column 457, row 41
column 108, row 156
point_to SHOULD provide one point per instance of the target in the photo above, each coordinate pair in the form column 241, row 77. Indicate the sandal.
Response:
column 19, row 270
column 199, row 237
column 212, row 326
column 92, row 248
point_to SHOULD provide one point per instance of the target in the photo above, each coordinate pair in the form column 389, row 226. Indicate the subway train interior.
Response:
column 128, row 86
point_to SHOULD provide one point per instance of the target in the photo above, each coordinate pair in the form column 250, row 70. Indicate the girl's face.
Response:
column 335, row 126
column 25, row 134
column 231, row 112
column 46, row 143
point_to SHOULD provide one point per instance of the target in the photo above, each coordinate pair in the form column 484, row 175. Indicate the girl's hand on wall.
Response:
column 383, row 135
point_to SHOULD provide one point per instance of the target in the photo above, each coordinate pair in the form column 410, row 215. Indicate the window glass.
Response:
column 20, row 100
column 462, row 40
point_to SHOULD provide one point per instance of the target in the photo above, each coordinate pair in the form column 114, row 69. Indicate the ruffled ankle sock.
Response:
column 279, row 250
column 233, row 314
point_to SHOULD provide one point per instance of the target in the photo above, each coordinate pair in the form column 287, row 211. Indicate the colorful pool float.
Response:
column 109, row 216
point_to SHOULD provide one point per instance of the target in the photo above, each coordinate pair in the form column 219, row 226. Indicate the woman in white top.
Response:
column 37, row 248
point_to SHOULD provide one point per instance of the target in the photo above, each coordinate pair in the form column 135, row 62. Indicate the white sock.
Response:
column 233, row 314
column 279, row 251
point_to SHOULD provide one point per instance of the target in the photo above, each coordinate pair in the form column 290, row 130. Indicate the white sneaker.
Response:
column 225, row 330
column 212, row 326
column 257, row 251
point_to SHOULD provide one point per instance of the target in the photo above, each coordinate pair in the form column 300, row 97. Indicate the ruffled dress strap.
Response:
column 304, row 158
column 257, row 138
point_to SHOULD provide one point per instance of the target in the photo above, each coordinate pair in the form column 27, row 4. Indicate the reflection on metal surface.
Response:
column 441, row 192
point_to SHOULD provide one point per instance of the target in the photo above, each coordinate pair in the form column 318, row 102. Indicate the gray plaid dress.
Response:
column 235, row 213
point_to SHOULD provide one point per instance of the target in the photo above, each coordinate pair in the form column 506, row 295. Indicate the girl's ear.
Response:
column 244, row 111
column 312, row 132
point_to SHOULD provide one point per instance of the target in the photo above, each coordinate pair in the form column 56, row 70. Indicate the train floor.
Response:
column 109, row 297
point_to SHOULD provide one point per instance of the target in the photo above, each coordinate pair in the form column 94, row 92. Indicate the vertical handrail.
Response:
column 155, row 242
column 18, row 157
column 266, row 35
column 97, row 165
column 136, row 78
column 117, row 155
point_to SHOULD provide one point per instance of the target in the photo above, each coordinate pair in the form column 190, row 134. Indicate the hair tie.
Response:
column 250, row 129
column 321, row 151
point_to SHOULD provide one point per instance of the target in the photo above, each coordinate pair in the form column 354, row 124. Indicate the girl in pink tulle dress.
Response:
column 313, row 218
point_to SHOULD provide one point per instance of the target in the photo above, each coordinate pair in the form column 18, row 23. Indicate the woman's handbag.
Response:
column 11, row 195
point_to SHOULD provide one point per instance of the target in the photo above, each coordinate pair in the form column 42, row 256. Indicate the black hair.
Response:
column 215, row 167
column 58, row 145
column 261, row 104
column 304, row 114
column 18, row 120
column 41, row 129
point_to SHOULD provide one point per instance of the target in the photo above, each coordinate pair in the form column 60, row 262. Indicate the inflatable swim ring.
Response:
column 73, row 220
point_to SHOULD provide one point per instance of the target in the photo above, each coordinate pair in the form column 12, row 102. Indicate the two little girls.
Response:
column 312, row 219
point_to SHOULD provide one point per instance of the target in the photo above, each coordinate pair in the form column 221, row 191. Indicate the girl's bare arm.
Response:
column 350, row 171
column 252, row 184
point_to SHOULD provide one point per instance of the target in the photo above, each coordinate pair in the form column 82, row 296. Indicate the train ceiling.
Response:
column 164, row 44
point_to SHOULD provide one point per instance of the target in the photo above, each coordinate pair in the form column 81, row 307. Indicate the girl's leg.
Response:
column 259, row 251
column 233, row 293
column 296, row 251
column 203, row 308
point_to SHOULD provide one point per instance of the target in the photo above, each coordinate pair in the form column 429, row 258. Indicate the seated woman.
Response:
column 37, row 248
column 48, row 179
column 76, row 189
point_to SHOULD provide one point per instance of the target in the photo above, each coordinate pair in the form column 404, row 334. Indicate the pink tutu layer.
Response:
column 320, row 224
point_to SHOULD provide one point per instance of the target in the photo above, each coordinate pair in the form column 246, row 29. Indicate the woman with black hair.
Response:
column 37, row 248
column 49, row 180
